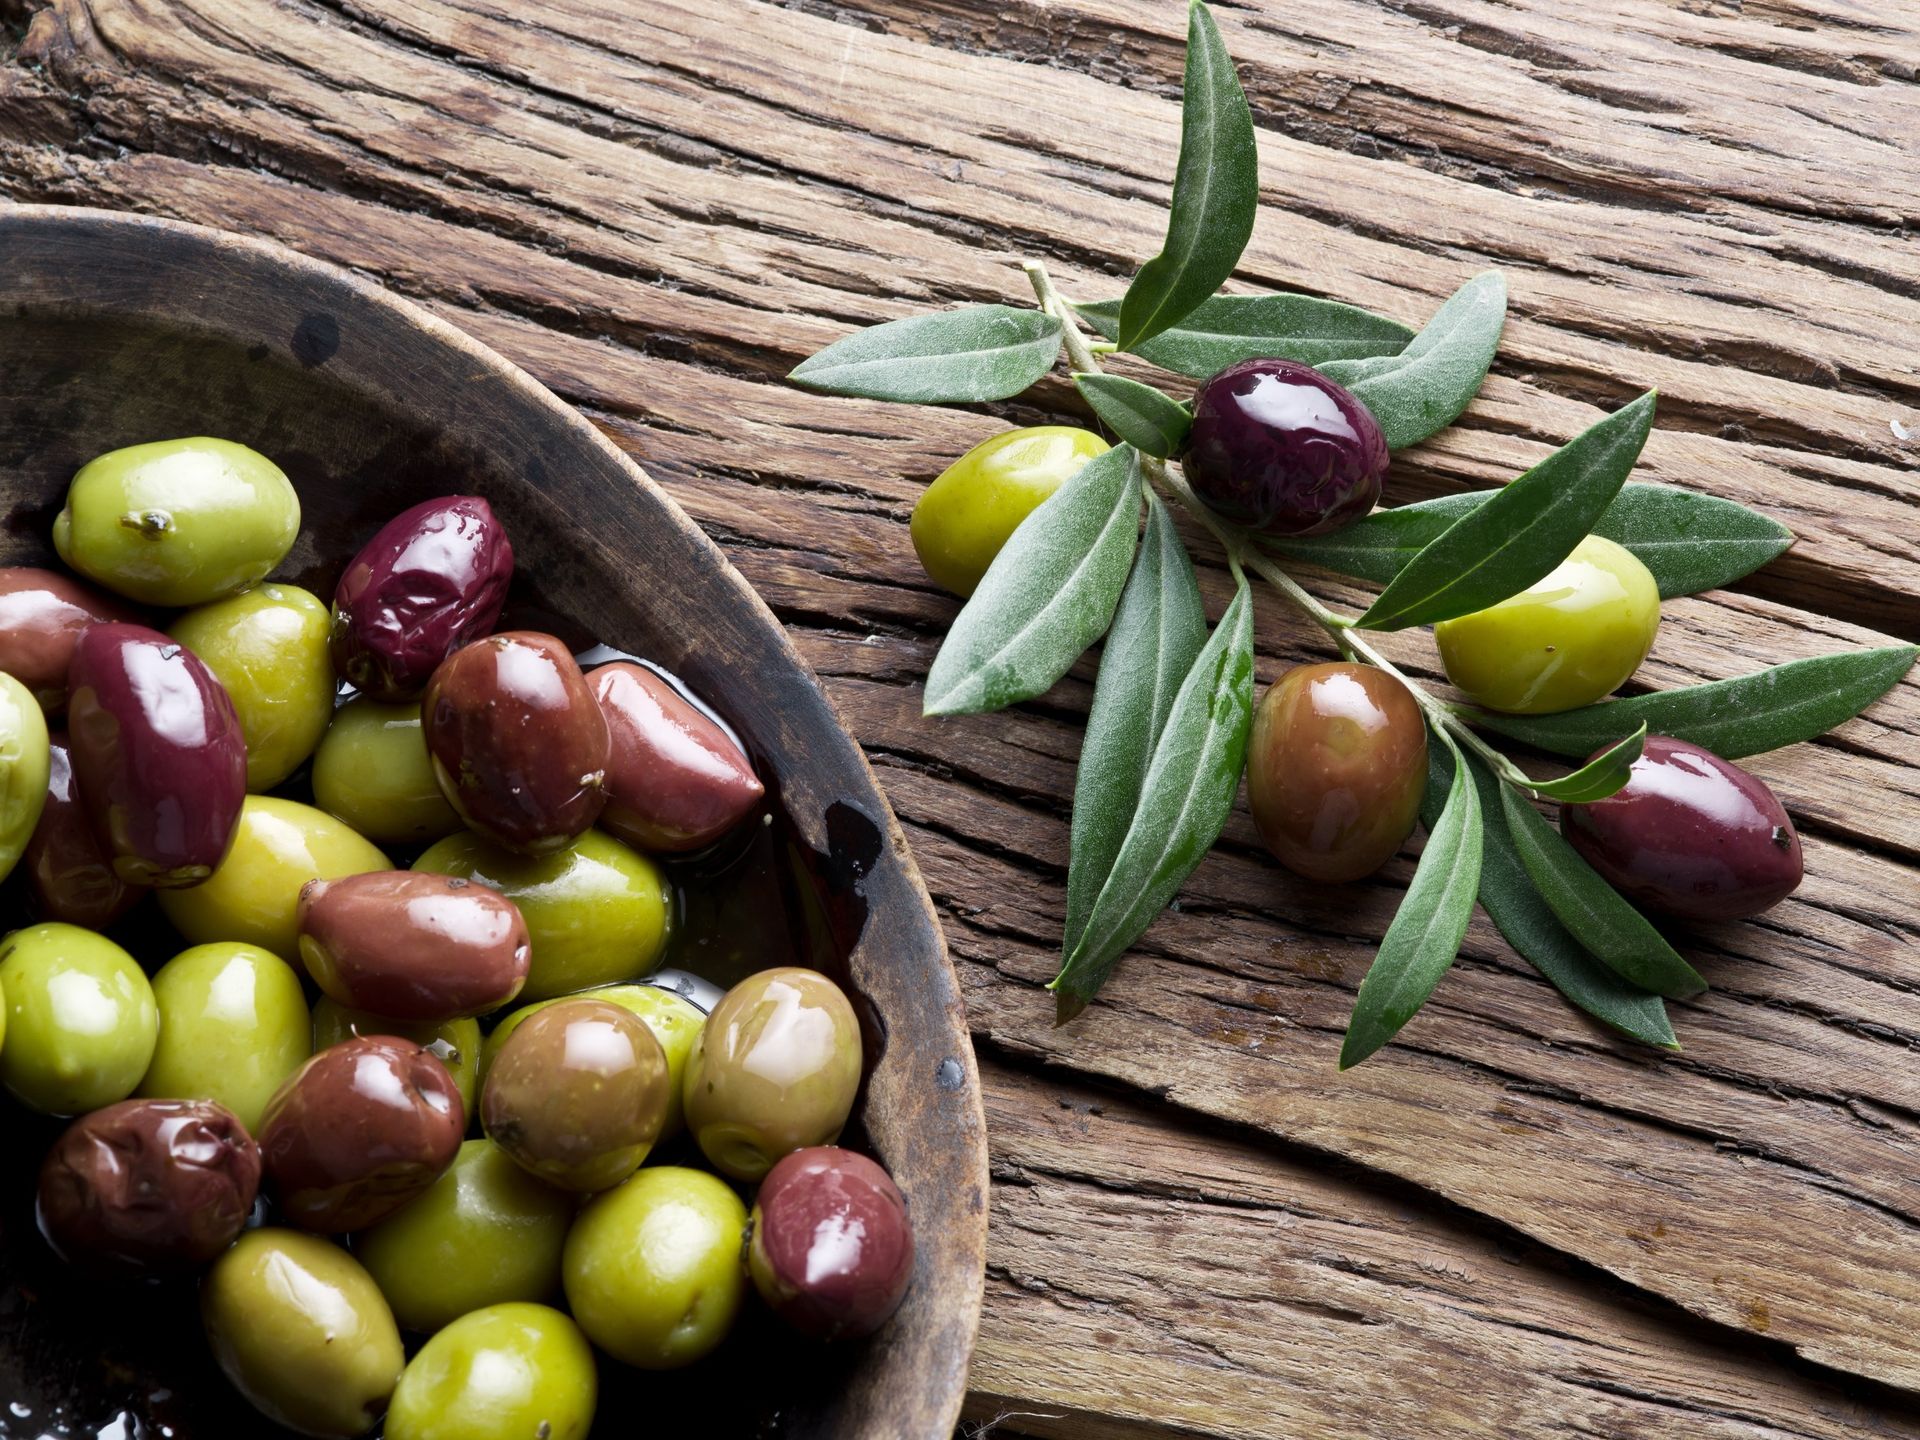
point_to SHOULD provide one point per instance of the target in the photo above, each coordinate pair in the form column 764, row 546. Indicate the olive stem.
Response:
column 1079, row 354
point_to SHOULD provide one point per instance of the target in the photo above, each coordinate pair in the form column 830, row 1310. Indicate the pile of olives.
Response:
column 302, row 1102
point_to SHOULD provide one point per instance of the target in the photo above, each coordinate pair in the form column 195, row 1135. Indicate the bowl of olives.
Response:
column 447, row 938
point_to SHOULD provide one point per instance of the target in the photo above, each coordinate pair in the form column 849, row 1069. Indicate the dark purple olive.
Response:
column 41, row 616
column 359, row 1130
column 149, row 1185
column 157, row 753
column 72, row 876
column 1690, row 835
column 1279, row 447
column 434, row 578
column 675, row 779
column 412, row 946
column 830, row 1247
column 519, row 745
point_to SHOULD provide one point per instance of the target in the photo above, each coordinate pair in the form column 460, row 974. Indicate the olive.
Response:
column 829, row 1244
column 966, row 515
column 81, row 1021
column 432, row 579
column 149, row 1185
column 412, row 945
column 233, row 1027
column 73, row 879
column 1565, row 641
column 518, row 744
column 359, row 1130
column 254, row 897
column 454, row 1043
column 1336, row 767
column 373, row 771
column 158, row 754
column 268, row 648
column 1279, row 447
column 578, row 1094
column 42, row 613
column 675, row 781
column 597, row 911
column 178, row 522
column 301, row 1331
column 509, row 1372
column 774, row 1070
column 484, row 1233
column 653, row 1269
column 26, row 771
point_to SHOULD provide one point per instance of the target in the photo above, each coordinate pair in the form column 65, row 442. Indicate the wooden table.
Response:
column 1508, row 1224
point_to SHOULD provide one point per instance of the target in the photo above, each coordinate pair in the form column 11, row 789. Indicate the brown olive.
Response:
column 42, row 614
column 72, row 875
column 829, row 1245
column 676, row 781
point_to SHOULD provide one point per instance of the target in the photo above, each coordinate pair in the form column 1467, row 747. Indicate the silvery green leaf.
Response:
column 1425, row 387
column 1225, row 329
column 1138, row 414
column 984, row 352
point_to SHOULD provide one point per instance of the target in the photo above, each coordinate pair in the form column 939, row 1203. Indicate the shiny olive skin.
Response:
column 158, row 753
column 1690, row 835
column 577, row 1095
column 1277, row 446
column 653, row 1268
column 73, row 878
column 372, row 770
column 1336, row 767
column 358, row 1131
column 412, row 945
column 829, row 1244
column 178, row 522
column 456, row 1044
column 486, row 1232
column 432, row 579
column 301, row 1331
column 42, row 613
column 26, row 769
column 509, row 1372
column 598, row 911
column 81, row 1021
column 1566, row 641
column 254, row 897
column 774, row 1070
column 148, row 1186
column 967, row 515
column 233, row 1027
column 268, row 648
column 675, row 780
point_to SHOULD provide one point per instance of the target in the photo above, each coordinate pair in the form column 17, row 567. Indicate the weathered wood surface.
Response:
column 1508, row 1223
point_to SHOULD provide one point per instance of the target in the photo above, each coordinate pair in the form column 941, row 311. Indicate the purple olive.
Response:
column 157, row 752
column 434, row 578
column 72, row 875
column 1279, row 447
column 149, row 1185
column 41, row 616
column 830, row 1247
column 519, row 745
column 675, row 780
column 1690, row 835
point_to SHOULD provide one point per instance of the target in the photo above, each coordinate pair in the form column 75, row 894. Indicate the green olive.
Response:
column 509, row 1372
column 269, row 648
column 24, row 767
column 301, row 1331
column 278, row 846
column 178, row 522
column 597, row 912
column 1565, row 641
column 979, row 500
column 456, row 1043
column 653, row 1267
column 373, row 771
column 233, row 1025
column 81, row 1021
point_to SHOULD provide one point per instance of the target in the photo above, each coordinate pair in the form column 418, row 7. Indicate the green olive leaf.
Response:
column 1049, row 594
column 1521, row 532
column 984, row 352
column 1216, row 191
column 1424, row 388
column 1138, row 414
column 1426, row 932
column 1226, row 329
column 1600, row 777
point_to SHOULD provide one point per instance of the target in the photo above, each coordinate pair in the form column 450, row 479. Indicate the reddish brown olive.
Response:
column 676, row 781
column 413, row 946
column 519, row 745
column 42, row 614
column 830, row 1247
column 72, row 876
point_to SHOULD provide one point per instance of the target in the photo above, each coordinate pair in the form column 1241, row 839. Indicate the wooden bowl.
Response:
column 116, row 329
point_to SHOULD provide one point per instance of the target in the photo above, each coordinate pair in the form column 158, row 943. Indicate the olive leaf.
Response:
column 1426, row 933
column 1216, row 190
column 1732, row 718
column 1600, row 777
column 1521, row 532
column 1184, row 803
column 1157, row 631
column 1138, row 414
column 1425, row 387
column 984, row 352
column 1225, row 329
column 1049, row 594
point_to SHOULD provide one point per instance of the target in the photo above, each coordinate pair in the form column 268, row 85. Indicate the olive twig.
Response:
column 1079, row 353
